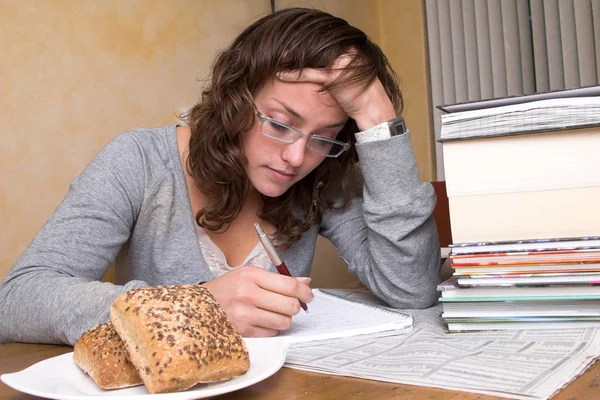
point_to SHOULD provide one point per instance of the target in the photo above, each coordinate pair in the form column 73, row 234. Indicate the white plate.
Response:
column 60, row 378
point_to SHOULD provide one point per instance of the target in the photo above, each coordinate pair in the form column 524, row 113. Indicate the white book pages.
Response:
column 525, row 215
column 544, row 161
column 521, row 245
column 585, row 91
column 572, row 291
column 562, row 308
column 530, row 280
column 542, row 115
column 501, row 326
column 526, row 268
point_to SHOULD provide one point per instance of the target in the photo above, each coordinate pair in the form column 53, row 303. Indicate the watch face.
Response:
column 398, row 126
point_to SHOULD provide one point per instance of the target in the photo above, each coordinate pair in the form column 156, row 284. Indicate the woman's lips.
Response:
column 281, row 175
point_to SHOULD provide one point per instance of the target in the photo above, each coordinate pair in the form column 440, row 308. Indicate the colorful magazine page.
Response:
column 484, row 272
column 590, row 279
column 524, row 319
column 592, row 256
column 502, row 326
column 486, row 309
column 526, row 253
column 528, row 291
column 527, row 268
column 518, row 298
column 534, row 244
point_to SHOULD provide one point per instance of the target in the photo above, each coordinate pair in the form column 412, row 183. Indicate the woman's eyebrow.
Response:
column 290, row 110
column 299, row 117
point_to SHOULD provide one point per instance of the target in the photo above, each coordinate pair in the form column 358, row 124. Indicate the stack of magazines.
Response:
column 528, row 284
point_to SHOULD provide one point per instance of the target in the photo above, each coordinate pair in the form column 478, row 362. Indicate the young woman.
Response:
column 294, row 103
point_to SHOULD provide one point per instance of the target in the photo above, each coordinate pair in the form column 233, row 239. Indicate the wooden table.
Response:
column 298, row 385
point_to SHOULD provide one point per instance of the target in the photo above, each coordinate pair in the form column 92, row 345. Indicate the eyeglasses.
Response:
column 283, row 133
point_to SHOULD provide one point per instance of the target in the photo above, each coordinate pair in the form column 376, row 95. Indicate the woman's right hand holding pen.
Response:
column 260, row 303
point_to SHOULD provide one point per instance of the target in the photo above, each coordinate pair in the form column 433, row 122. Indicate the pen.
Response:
column 274, row 256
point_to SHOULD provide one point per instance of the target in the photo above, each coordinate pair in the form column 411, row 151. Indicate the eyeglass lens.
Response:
column 316, row 144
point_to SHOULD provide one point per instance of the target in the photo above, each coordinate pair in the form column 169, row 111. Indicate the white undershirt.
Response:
column 217, row 263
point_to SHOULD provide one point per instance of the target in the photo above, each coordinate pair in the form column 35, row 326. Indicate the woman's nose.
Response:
column 295, row 152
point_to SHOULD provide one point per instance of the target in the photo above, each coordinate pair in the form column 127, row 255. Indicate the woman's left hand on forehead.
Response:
column 368, row 108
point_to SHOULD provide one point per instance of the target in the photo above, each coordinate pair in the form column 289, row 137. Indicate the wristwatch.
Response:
column 385, row 130
column 397, row 126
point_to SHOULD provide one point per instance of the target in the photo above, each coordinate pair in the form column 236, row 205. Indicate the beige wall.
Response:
column 404, row 41
column 74, row 73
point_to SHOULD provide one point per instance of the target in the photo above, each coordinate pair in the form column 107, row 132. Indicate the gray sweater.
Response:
column 130, row 206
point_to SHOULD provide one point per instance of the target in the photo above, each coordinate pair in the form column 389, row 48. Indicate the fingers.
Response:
column 253, row 321
column 278, row 303
column 271, row 321
column 311, row 75
column 319, row 75
column 304, row 280
column 259, row 302
column 284, row 285
column 258, row 331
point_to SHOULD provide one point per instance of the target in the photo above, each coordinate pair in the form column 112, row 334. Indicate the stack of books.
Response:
column 523, row 184
column 523, row 285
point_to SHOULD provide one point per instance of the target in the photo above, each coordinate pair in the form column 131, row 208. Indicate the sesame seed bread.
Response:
column 101, row 354
column 178, row 336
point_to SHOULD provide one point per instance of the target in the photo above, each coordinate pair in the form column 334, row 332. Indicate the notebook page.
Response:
column 330, row 316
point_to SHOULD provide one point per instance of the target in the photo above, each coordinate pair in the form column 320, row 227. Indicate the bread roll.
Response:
column 178, row 336
column 100, row 353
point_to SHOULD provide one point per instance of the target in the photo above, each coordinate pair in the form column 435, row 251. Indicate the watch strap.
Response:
column 385, row 130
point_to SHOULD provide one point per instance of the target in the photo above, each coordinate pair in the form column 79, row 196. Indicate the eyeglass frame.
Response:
column 263, row 118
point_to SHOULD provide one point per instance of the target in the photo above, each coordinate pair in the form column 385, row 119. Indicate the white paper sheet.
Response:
column 512, row 364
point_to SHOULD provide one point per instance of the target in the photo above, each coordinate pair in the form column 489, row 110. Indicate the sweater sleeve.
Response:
column 53, row 293
column 388, row 238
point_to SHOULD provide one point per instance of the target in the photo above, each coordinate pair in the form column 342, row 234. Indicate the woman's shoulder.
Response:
column 160, row 139
column 144, row 153
column 148, row 145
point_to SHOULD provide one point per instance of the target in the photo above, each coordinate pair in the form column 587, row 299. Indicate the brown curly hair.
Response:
column 290, row 39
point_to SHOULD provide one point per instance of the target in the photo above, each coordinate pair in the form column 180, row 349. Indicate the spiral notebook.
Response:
column 330, row 316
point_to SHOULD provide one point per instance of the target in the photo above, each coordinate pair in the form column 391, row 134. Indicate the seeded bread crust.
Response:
column 101, row 354
column 178, row 336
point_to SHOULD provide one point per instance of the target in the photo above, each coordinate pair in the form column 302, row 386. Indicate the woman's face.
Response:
column 273, row 167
